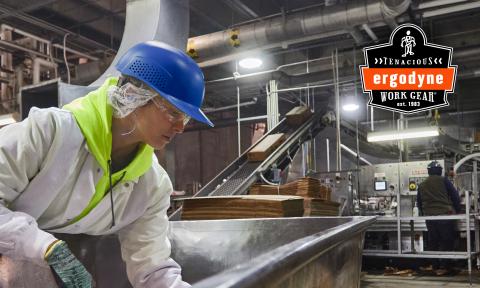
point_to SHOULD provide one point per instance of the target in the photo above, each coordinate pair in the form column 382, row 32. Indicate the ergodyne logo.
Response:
column 408, row 74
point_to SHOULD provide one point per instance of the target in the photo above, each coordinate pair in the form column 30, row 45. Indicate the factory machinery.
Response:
column 390, row 190
column 270, row 252
column 276, row 252
column 237, row 178
column 267, row 252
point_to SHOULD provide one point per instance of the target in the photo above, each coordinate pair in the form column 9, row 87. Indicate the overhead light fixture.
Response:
column 350, row 107
column 350, row 103
column 250, row 63
column 402, row 134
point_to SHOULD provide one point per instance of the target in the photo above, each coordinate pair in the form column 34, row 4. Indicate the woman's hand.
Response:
column 66, row 267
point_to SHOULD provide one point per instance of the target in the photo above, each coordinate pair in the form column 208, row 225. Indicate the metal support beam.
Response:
column 469, row 5
column 346, row 148
column 13, row 46
column 102, row 9
column 209, row 19
column 357, row 35
column 437, row 3
column 475, row 209
column 272, row 104
column 370, row 32
column 38, row 4
column 241, row 8
column 337, row 109
column 109, row 14
column 49, row 26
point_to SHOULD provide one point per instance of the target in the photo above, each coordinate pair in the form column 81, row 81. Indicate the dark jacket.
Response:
column 437, row 196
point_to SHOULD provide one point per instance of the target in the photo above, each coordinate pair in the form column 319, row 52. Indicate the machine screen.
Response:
column 380, row 185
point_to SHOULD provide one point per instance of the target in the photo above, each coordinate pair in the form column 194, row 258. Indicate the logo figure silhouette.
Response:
column 408, row 42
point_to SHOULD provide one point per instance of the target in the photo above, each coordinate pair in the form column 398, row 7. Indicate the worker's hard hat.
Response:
column 434, row 164
column 170, row 72
column 434, row 168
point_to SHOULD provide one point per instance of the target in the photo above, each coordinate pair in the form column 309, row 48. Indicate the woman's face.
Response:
column 158, row 122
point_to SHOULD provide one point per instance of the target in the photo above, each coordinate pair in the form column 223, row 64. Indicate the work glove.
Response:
column 69, row 270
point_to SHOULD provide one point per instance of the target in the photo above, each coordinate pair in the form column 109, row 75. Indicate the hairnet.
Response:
column 126, row 98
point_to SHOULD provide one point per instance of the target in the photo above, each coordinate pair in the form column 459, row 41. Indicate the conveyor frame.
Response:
column 241, row 174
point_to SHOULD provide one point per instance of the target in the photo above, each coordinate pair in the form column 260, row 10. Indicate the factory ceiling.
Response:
column 96, row 28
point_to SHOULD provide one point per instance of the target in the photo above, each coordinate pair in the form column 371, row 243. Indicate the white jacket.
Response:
column 48, row 176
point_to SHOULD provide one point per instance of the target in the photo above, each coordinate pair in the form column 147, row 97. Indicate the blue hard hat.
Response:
column 170, row 72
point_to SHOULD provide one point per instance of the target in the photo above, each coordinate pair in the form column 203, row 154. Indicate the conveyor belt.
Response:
column 231, row 183
column 241, row 174
column 236, row 179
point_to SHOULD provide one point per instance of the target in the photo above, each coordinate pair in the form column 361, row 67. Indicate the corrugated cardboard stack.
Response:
column 305, row 187
column 316, row 195
column 320, row 207
column 244, row 206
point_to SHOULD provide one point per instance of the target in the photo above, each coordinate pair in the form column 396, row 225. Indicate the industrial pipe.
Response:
column 228, row 107
column 353, row 153
column 464, row 159
column 274, row 32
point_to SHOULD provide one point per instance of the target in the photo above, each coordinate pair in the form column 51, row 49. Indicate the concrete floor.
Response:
column 380, row 281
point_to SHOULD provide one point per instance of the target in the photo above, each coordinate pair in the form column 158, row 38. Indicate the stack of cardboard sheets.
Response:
column 244, row 206
column 305, row 187
column 316, row 195
column 320, row 207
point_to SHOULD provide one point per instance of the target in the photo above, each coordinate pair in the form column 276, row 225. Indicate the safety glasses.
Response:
column 141, row 90
column 172, row 113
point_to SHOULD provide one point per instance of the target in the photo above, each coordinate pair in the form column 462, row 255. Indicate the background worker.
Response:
column 437, row 196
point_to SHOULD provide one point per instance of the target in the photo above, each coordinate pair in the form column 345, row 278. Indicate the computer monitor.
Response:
column 380, row 186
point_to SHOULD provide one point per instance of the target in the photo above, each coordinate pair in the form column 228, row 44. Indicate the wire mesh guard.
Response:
column 230, row 185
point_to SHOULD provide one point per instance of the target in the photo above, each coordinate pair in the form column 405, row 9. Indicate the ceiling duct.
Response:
column 162, row 20
column 276, row 31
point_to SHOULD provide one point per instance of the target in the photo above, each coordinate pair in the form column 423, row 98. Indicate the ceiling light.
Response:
column 402, row 134
column 250, row 63
column 350, row 103
column 350, row 107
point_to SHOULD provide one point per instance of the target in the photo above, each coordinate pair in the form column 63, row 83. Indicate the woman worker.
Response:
column 90, row 168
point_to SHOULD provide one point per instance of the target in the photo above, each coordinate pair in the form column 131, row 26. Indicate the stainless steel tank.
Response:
column 274, row 252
